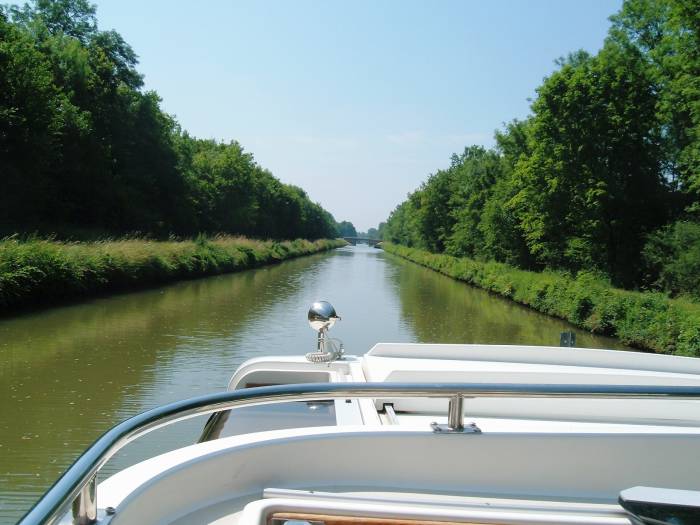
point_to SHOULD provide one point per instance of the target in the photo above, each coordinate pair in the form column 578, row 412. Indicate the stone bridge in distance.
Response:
column 362, row 240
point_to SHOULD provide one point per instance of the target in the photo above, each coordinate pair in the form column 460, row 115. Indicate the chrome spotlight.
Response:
column 322, row 317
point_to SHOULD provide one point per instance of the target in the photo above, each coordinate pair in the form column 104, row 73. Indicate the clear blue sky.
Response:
column 356, row 102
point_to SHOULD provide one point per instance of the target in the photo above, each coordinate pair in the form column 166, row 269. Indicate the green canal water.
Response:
column 69, row 373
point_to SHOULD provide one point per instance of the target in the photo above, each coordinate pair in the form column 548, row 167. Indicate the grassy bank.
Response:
column 34, row 272
column 649, row 321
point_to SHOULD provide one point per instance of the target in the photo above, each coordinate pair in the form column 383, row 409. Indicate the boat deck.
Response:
column 528, row 456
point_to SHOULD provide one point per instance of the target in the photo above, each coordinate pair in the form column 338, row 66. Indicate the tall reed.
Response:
column 39, row 271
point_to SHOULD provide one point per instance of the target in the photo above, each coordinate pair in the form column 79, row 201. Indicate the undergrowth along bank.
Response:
column 645, row 320
column 35, row 271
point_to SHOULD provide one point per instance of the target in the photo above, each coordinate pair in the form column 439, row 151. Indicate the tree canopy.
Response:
column 604, row 174
column 84, row 149
column 346, row 229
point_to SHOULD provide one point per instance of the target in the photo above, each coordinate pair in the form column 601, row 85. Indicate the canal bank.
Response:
column 644, row 320
column 37, row 272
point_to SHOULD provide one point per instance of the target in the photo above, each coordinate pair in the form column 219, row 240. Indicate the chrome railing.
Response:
column 76, row 489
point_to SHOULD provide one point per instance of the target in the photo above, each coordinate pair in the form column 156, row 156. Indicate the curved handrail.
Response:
column 70, row 488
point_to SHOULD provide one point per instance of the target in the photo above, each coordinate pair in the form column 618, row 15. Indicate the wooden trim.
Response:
column 330, row 519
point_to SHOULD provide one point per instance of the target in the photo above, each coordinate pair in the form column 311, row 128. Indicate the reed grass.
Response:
column 644, row 320
column 40, row 271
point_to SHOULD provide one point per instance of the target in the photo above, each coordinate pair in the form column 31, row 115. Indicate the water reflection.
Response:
column 67, row 374
column 440, row 310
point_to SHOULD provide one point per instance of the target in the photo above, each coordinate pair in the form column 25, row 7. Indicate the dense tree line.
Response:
column 604, row 175
column 84, row 148
column 347, row 229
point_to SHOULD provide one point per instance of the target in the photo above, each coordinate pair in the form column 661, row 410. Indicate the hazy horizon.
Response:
column 358, row 103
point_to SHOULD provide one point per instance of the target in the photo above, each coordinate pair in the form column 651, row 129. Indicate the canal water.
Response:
column 69, row 373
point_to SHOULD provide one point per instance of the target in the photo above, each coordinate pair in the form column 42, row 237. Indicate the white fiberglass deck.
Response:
column 536, row 460
column 498, row 364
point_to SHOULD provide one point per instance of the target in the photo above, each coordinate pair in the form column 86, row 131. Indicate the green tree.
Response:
column 503, row 236
column 474, row 174
column 381, row 230
column 31, row 116
column 72, row 18
column 431, row 205
column 401, row 226
column 672, row 257
column 85, row 150
column 667, row 34
column 610, row 154
column 346, row 229
column 592, row 187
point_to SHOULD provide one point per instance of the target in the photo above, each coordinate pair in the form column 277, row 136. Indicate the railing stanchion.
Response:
column 85, row 504
column 455, row 413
